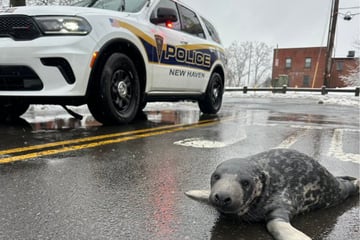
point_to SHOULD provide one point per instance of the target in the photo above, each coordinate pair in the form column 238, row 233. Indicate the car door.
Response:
column 168, row 73
column 199, row 57
column 183, row 59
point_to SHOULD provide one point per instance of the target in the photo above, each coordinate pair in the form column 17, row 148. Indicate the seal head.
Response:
column 235, row 189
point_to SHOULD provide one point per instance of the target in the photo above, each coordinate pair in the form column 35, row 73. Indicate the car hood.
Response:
column 59, row 10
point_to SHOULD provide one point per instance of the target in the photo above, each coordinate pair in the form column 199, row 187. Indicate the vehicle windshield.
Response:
column 116, row 5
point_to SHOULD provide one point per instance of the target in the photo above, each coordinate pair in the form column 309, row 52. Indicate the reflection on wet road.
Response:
column 96, row 141
column 80, row 180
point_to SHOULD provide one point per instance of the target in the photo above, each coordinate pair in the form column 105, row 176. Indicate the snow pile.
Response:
column 332, row 98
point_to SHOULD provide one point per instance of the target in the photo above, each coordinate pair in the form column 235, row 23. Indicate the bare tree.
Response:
column 237, row 55
column 261, row 62
column 51, row 2
column 67, row 2
column 249, row 63
column 352, row 77
column 45, row 2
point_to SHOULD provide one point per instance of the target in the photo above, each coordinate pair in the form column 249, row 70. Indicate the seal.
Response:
column 274, row 186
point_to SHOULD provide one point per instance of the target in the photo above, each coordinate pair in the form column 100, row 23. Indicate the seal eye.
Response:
column 245, row 183
column 216, row 177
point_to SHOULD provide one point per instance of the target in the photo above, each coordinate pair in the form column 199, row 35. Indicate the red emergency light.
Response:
column 169, row 24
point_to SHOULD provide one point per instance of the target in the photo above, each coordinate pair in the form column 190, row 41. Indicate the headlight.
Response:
column 58, row 25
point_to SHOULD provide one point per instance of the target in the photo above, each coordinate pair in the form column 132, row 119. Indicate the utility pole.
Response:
column 330, row 43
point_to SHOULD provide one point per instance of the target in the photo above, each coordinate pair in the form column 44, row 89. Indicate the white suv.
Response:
column 113, row 55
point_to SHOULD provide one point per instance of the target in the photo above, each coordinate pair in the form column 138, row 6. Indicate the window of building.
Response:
column 307, row 62
column 306, row 81
column 339, row 66
column 288, row 63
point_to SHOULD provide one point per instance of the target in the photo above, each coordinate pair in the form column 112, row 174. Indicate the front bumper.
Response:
column 56, row 66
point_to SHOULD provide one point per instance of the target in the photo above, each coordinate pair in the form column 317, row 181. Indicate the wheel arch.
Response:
column 220, row 70
column 122, row 46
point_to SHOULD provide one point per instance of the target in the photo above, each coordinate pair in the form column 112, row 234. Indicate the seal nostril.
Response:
column 217, row 198
column 222, row 199
column 227, row 201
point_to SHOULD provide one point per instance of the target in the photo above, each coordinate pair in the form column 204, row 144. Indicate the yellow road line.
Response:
column 88, row 139
column 106, row 142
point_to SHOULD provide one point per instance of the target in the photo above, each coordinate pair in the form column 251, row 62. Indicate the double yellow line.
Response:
column 91, row 142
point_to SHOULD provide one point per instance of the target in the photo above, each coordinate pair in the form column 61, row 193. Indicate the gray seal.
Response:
column 274, row 186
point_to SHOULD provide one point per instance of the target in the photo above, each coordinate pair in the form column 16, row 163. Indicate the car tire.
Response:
column 12, row 110
column 212, row 100
column 142, row 105
column 117, row 99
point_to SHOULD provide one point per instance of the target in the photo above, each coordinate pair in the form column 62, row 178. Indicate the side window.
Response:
column 167, row 4
column 190, row 22
column 213, row 33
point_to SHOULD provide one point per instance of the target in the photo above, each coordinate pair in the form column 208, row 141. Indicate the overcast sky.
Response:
column 286, row 23
column 283, row 23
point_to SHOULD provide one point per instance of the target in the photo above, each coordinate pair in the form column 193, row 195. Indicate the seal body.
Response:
column 283, row 177
column 274, row 186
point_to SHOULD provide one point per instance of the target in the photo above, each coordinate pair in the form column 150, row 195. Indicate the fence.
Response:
column 323, row 90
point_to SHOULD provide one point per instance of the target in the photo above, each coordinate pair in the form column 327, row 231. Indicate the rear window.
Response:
column 212, row 31
column 190, row 22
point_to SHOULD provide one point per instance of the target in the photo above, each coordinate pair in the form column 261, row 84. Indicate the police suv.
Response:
column 113, row 55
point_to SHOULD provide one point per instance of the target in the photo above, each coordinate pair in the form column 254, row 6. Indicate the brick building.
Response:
column 341, row 67
column 305, row 67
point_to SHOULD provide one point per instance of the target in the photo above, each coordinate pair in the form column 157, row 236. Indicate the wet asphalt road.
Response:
column 129, row 182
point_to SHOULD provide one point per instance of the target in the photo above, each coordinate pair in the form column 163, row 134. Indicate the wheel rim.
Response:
column 121, row 90
column 216, row 92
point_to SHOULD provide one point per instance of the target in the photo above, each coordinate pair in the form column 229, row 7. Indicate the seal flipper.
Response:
column 349, row 186
column 199, row 195
column 283, row 230
column 278, row 225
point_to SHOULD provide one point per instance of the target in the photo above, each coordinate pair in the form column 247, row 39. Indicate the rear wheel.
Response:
column 12, row 110
column 211, row 103
column 117, row 99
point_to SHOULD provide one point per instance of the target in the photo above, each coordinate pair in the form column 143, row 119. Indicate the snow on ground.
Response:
column 332, row 98
column 346, row 99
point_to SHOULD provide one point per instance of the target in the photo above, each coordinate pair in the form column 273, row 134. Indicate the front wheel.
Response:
column 211, row 103
column 118, row 98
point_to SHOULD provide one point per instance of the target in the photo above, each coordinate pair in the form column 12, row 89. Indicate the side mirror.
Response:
column 165, row 15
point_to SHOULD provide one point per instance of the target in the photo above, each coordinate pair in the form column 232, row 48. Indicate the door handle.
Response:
column 184, row 42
